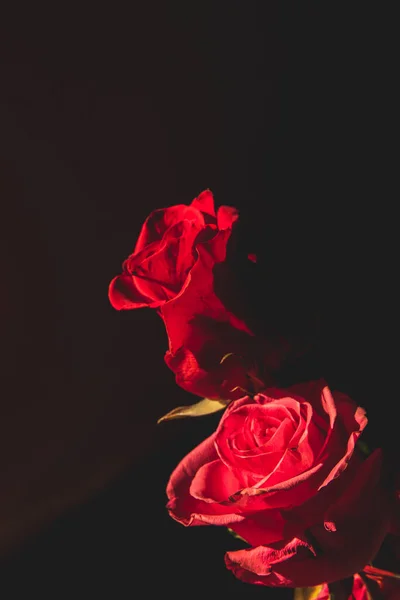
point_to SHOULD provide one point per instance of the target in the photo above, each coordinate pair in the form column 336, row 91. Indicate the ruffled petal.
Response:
column 124, row 294
column 204, row 203
column 186, row 509
column 354, row 529
column 160, row 220
column 226, row 217
column 270, row 565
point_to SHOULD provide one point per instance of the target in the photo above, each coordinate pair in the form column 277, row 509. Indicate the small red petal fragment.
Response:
column 330, row 526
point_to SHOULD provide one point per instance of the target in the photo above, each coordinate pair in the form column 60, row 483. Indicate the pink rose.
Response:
column 274, row 465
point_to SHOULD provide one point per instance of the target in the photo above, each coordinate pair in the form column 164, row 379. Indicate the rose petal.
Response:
column 213, row 250
column 226, row 217
column 186, row 509
column 214, row 482
column 160, row 220
column 358, row 545
column 204, row 203
column 292, row 492
column 361, row 519
column 197, row 298
column 162, row 273
column 262, row 528
column 339, row 436
column 363, row 486
column 124, row 294
column 313, row 511
column 181, row 478
column 265, row 565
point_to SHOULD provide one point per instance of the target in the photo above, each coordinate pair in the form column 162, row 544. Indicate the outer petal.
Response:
column 204, row 203
column 361, row 520
column 199, row 326
column 182, row 477
column 124, row 294
column 270, row 566
column 214, row 250
column 226, row 217
column 360, row 495
column 262, row 528
column 186, row 509
column 298, row 569
column 197, row 298
column 348, row 427
column 313, row 511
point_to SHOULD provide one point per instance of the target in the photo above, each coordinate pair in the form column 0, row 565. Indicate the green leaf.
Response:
column 236, row 535
column 200, row 409
column 308, row 593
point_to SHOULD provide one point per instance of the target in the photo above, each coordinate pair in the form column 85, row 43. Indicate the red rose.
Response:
column 172, row 269
column 273, row 466
column 167, row 249
column 344, row 541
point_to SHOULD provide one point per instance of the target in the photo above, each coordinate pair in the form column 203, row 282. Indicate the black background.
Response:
column 286, row 111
